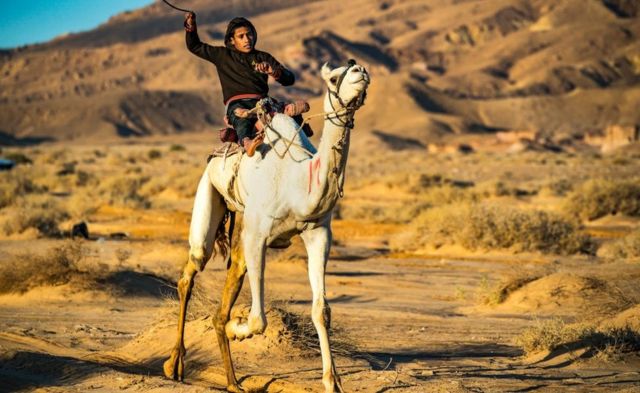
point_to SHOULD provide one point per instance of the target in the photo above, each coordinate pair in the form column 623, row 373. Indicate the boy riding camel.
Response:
column 243, row 72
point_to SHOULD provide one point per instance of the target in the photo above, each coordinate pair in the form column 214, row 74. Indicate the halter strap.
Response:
column 349, row 110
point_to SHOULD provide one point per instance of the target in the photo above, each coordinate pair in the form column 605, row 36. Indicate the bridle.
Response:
column 349, row 108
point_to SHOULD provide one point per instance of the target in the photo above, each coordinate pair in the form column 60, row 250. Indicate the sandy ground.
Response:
column 414, row 322
column 403, row 321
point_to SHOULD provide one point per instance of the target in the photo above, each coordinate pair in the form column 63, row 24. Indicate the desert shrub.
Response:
column 185, row 180
column 67, row 168
column 54, row 156
column 494, row 294
column 447, row 194
column 176, row 147
column 597, row 198
column 154, row 154
column 426, row 181
column 553, row 334
column 626, row 248
column 122, row 255
column 153, row 187
column 379, row 212
column 16, row 183
column 40, row 212
column 28, row 270
column 560, row 187
column 18, row 158
column 499, row 227
column 81, row 205
column 83, row 178
column 125, row 190
column 503, row 189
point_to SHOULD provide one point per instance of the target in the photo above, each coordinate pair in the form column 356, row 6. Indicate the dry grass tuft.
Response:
column 560, row 187
column 498, row 227
column 494, row 294
column 597, row 198
column 125, row 190
column 15, row 183
column 18, row 158
column 626, row 248
column 301, row 332
column 29, row 271
column 607, row 343
column 41, row 212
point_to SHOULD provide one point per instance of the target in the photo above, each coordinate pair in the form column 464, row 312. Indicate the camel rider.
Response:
column 243, row 72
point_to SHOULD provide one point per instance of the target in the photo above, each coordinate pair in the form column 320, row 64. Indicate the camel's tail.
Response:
column 223, row 238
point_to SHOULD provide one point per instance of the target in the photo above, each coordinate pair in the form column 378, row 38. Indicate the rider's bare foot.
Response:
column 250, row 145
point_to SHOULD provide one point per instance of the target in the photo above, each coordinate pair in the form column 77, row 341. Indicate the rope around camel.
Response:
column 258, row 110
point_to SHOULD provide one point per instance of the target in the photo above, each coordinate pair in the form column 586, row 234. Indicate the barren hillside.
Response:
column 439, row 67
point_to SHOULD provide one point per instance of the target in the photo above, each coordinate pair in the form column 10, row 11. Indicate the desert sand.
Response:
column 407, row 316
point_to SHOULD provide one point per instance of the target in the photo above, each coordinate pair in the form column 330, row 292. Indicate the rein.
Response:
column 259, row 110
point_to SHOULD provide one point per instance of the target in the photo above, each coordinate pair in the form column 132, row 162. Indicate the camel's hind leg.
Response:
column 174, row 366
column 206, row 221
column 318, row 241
column 232, row 286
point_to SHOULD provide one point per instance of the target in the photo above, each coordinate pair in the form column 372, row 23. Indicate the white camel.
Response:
column 281, row 195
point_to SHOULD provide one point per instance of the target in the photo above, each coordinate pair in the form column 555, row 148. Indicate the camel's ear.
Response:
column 325, row 71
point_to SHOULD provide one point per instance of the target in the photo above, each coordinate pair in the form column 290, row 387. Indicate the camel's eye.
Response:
column 334, row 80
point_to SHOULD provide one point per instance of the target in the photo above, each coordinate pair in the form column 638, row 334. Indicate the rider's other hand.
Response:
column 264, row 68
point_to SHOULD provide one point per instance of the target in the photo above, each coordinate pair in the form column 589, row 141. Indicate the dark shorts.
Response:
column 244, row 127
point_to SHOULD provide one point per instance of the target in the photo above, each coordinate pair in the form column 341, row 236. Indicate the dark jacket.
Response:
column 236, row 69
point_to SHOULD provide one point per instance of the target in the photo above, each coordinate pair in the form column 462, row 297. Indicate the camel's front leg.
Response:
column 318, row 242
column 253, row 247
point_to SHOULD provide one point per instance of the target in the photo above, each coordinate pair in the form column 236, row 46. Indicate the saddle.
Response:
column 269, row 106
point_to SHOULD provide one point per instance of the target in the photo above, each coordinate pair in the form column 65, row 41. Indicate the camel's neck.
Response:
column 328, row 165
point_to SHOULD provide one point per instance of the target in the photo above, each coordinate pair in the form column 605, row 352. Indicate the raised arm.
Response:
column 195, row 46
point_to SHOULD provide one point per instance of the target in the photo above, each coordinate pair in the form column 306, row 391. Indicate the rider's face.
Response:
column 242, row 39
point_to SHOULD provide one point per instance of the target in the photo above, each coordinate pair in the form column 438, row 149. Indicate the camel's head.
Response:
column 347, row 84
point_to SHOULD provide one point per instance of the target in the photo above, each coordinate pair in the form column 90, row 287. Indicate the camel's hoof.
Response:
column 233, row 327
column 235, row 389
column 174, row 366
column 333, row 384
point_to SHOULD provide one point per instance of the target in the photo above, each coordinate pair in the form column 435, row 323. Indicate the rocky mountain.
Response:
column 438, row 67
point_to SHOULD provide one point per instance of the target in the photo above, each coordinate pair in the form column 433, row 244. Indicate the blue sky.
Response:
column 30, row 21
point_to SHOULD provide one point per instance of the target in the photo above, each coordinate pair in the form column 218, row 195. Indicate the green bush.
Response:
column 498, row 227
column 597, row 198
